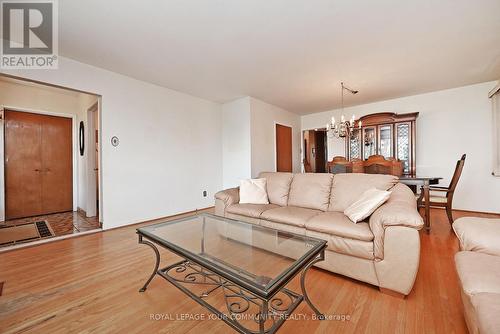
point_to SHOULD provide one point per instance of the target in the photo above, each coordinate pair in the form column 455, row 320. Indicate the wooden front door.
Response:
column 283, row 148
column 38, row 164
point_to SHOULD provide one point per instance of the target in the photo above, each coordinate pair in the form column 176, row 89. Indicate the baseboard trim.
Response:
column 467, row 211
column 81, row 211
column 161, row 218
column 480, row 212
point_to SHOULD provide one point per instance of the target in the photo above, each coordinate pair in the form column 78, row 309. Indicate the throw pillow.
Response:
column 253, row 191
column 369, row 201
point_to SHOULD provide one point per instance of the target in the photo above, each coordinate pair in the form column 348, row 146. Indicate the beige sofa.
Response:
column 478, row 268
column 384, row 250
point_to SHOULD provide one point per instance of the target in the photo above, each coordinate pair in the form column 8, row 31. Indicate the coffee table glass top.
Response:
column 254, row 255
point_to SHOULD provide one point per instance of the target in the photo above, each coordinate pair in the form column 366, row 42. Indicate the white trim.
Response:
column 495, row 117
column 74, row 150
column 100, row 183
column 92, row 181
column 494, row 91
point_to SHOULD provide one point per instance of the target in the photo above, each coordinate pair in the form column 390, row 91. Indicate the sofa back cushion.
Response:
column 348, row 188
column 311, row 190
column 278, row 187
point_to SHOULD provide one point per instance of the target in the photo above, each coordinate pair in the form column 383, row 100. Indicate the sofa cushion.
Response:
column 478, row 234
column 253, row 191
column 336, row 223
column 278, row 187
column 348, row 188
column 283, row 227
column 478, row 272
column 357, row 248
column 311, row 190
column 487, row 306
column 250, row 210
column 369, row 201
column 290, row 215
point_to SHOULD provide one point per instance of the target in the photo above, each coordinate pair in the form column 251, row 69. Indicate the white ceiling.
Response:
column 291, row 53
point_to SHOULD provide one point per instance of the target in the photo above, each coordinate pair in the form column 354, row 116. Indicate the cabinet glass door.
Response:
column 369, row 142
column 385, row 142
column 355, row 144
column 404, row 145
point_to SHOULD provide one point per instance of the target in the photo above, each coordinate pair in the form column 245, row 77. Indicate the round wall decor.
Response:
column 115, row 141
column 82, row 138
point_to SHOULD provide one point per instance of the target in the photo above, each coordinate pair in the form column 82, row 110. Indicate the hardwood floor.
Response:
column 89, row 284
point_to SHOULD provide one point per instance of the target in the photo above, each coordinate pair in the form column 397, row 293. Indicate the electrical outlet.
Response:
column 204, row 193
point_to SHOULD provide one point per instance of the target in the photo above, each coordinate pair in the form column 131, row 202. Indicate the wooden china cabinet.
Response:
column 388, row 134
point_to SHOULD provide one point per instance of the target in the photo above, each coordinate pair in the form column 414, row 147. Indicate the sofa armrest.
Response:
column 399, row 210
column 478, row 234
column 225, row 198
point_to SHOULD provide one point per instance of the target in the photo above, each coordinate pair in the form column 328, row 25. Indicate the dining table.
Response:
column 424, row 182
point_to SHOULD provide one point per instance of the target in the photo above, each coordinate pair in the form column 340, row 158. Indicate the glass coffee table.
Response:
column 238, row 271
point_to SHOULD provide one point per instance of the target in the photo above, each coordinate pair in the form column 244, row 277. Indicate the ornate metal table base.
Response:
column 246, row 312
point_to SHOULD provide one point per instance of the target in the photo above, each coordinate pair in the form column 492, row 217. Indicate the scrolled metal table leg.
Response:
column 320, row 315
column 157, row 265
column 263, row 317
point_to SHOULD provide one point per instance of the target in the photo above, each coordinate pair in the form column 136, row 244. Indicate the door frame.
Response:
column 274, row 144
column 73, row 145
column 92, row 195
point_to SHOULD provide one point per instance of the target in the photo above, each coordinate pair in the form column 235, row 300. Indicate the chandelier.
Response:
column 343, row 128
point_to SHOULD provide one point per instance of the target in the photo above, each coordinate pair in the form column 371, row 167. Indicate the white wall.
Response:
column 451, row 122
column 170, row 143
column 236, row 142
column 264, row 117
column 249, row 138
column 36, row 98
column 336, row 147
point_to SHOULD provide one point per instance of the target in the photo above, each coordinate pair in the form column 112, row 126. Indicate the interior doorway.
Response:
column 50, row 157
column 283, row 148
column 315, row 151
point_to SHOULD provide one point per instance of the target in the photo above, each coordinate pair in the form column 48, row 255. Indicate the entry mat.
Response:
column 11, row 235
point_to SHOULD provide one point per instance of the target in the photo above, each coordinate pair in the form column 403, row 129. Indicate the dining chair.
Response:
column 377, row 164
column 339, row 165
column 445, row 201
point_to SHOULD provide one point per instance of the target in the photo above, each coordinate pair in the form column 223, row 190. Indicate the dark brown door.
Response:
column 38, row 164
column 283, row 148
column 320, row 163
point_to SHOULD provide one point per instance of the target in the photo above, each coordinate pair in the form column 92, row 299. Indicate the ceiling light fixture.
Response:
column 343, row 128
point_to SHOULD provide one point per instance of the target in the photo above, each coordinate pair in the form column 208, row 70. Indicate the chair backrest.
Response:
column 456, row 175
column 339, row 165
column 357, row 165
column 377, row 164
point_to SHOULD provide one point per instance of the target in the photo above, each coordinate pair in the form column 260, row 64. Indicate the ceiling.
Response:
column 290, row 53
